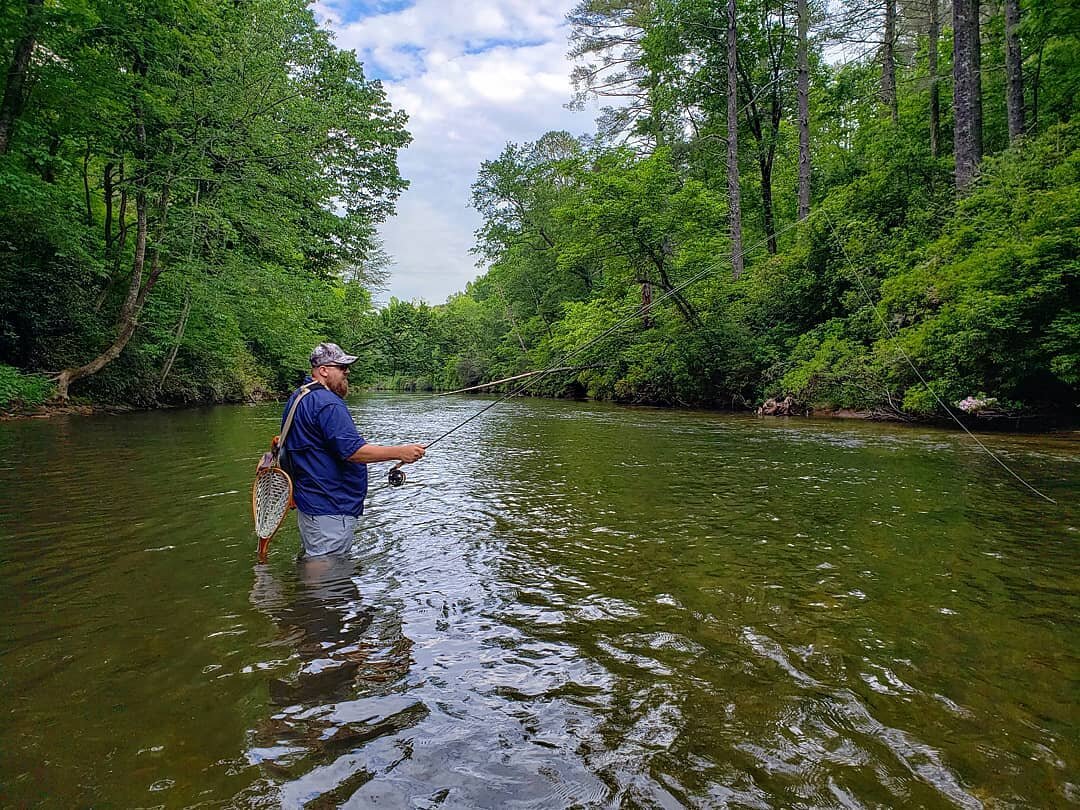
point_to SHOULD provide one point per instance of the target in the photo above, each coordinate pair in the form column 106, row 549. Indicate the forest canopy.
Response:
column 190, row 191
column 872, row 205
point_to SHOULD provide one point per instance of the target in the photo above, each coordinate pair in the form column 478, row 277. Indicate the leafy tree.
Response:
column 169, row 162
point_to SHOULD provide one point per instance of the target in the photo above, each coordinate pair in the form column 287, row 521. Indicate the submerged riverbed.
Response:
column 567, row 605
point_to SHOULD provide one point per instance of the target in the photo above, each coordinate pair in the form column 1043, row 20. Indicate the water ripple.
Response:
column 567, row 605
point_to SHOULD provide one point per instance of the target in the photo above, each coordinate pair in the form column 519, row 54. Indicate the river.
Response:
column 567, row 605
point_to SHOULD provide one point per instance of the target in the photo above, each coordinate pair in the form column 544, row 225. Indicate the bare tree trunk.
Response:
column 766, row 128
column 888, row 62
column 114, row 246
column 139, row 288
column 107, row 197
column 765, row 163
column 14, row 86
column 1014, row 70
column 804, row 109
column 734, row 197
column 1035, row 90
column 976, row 54
column 967, row 129
column 86, row 186
column 127, row 321
column 935, row 90
column 686, row 309
column 178, row 338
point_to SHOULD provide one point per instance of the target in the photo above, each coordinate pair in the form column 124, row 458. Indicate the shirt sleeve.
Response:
column 337, row 426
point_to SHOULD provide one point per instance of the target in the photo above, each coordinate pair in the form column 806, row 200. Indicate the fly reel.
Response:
column 395, row 477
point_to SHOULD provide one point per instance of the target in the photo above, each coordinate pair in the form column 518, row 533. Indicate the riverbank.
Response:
column 50, row 409
column 983, row 422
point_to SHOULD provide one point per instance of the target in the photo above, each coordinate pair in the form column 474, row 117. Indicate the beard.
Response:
column 339, row 387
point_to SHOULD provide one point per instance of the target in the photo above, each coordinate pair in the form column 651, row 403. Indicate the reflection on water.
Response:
column 346, row 690
column 567, row 605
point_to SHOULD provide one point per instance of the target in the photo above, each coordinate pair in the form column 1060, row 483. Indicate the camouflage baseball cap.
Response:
column 330, row 354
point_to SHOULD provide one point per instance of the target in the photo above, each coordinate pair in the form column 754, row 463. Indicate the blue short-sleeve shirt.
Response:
column 320, row 440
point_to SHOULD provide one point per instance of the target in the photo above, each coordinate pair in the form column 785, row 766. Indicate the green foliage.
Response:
column 254, row 157
column 889, row 272
column 981, row 296
column 265, row 159
column 19, row 391
column 830, row 369
column 993, row 307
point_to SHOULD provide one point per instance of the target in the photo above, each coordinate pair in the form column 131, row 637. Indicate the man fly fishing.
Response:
column 327, row 457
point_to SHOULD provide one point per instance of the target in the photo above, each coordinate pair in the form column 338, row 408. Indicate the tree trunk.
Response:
column 178, row 338
column 14, row 87
column 1014, row 71
column 766, row 140
column 138, row 287
column 734, row 197
column 967, row 129
column 86, row 187
column 804, row 109
column 976, row 54
column 686, row 309
column 768, row 221
column 888, row 62
column 646, row 305
column 114, row 246
column 935, row 90
column 1035, row 90
column 127, row 321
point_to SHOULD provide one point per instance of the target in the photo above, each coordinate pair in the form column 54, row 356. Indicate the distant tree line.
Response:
column 847, row 186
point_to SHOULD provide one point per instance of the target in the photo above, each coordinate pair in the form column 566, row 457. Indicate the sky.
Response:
column 472, row 75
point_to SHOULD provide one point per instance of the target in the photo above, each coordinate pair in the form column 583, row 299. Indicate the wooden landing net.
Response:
column 272, row 492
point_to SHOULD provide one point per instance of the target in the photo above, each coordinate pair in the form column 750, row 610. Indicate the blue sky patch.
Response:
column 355, row 10
column 483, row 45
column 374, row 70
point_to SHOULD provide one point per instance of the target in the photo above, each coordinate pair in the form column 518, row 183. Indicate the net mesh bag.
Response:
column 270, row 500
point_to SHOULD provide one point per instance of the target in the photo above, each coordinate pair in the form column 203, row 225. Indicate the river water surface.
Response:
column 567, row 605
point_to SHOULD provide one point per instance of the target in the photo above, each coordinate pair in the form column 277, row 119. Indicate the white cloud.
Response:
column 472, row 75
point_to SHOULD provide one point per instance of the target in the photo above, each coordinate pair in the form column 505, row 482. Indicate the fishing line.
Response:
column 889, row 330
column 489, row 384
column 638, row 312
column 397, row 477
column 493, row 383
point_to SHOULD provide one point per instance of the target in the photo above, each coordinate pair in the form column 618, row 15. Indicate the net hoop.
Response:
column 272, row 492
column 271, row 500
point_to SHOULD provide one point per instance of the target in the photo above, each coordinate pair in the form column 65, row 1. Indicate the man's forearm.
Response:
column 407, row 453
column 369, row 453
